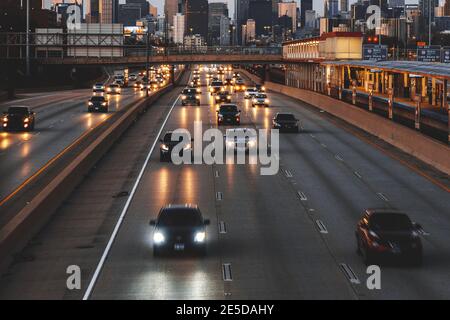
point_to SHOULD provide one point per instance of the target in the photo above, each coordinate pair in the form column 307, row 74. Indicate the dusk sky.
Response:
column 317, row 4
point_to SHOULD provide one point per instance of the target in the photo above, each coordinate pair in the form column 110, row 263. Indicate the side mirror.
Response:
column 417, row 226
column 206, row 222
column 152, row 223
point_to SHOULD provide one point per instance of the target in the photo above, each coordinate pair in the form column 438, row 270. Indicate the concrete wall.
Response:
column 413, row 142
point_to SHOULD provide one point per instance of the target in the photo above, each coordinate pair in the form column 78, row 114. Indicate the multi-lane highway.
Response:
column 61, row 118
column 285, row 236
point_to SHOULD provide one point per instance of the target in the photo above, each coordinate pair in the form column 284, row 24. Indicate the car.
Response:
column 228, row 113
column 120, row 83
column 250, row 93
column 285, row 121
column 236, row 75
column 228, row 82
column 223, row 96
column 216, row 87
column 180, row 228
column 240, row 139
column 114, row 89
column 98, row 103
column 387, row 233
column 132, row 77
column 138, row 85
column 260, row 99
column 98, row 87
column 239, row 85
column 167, row 144
column 190, row 98
column 20, row 118
column 260, row 88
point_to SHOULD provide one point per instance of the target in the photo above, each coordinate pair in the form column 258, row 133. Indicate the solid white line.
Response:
column 99, row 268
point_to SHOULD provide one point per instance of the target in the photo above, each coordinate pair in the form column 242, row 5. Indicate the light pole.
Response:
column 381, row 13
column 429, row 22
column 27, row 49
column 147, row 63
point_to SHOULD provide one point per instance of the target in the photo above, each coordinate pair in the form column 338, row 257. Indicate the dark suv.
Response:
column 388, row 233
column 179, row 228
column 98, row 103
column 285, row 121
column 228, row 113
column 18, row 118
column 189, row 96
column 223, row 96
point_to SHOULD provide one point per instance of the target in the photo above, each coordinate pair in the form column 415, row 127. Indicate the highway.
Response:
column 61, row 118
column 264, row 241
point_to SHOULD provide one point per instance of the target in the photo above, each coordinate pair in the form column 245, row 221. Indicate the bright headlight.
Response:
column 252, row 143
column 228, row 97
column 158, row 237
column 197, row 97
column 183, row 97
column 5, row 119
column 267, row 100
column 187, row 147
column 254, row 100
column 200, row 237
column 26, row 120
column 104, row 104
column 165, row 147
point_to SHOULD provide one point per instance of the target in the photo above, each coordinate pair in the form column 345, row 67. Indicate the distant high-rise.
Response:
column 108, row 11
column 331, row 8
column 196, row 15
column 178, row 28
column 447, row 8
column 305, row 5
column 170, row 10
column 289, row 9
column 344, row 5
column 261, row 12
column 217, row 10
column 427, row 8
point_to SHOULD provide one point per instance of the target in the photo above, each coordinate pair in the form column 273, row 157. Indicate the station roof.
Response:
column 427, row 69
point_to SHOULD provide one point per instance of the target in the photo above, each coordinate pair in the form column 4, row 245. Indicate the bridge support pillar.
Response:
column 418, row 99
column 391, row 103
column 445, row 105
column 266, row 73
column 370, row 96
column 172, row 74
column 354, row 92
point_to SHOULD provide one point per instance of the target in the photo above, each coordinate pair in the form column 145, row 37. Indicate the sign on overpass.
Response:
column 375, row 52
column 429, row 54
column 445, row 55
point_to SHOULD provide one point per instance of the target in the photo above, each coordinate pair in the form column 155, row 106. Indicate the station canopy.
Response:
column 426, row 69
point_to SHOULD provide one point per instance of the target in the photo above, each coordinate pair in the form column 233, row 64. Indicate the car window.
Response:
column 228, row 108
column 216, row 83
column 261, row 96
column 390, row 222
column 285, row 116
column 180, row 218
column 17, row 110
column 97, row 99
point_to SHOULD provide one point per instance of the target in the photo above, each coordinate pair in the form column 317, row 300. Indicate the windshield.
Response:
column 180, row 218
column 262, row 96
column 228, row 108
column 390, row 222
column 189, row 91
column 285, row 116
column 216, row 83
column 97, row 99
column 17, row 110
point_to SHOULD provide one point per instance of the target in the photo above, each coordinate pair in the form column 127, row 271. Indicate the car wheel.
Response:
column 162, row 157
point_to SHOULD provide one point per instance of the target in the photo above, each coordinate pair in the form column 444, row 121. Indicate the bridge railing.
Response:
column 66, row 45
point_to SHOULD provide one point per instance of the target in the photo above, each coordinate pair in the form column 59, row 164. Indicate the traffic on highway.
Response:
column 223, row 189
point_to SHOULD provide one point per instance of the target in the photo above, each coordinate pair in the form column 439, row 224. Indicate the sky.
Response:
column 317, row 4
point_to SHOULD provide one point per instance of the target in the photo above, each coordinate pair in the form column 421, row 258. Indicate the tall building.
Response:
column 344, row 5
column 305, row 5
column 170, row 10
column 447, row 8
column 129, row 13
column 310, row 19
column 225, row 31
column 261, row 12
column 178, row 28
column 196, row 15
column 145, row 6
column 289, row 9
column 241, row 16
column 93, row 11
column 108, row 11
column 427, row 9
column 331, row 8
column 217, row 10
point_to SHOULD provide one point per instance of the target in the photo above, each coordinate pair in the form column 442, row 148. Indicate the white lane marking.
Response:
column 349, row 273
column 323, row 145
column 321, row 226
column 222, row 227
column 288, row 173
column 302, row 195
column 312, row 136
column 219, row 196
column 226, row 272
column 357, row 174
column 217, row 174
column 338, row 157
column 382, row 196
column 99, row 268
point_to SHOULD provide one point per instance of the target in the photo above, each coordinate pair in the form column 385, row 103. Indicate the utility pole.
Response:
column 147, row 63
column 429, row 22
column 27, row 49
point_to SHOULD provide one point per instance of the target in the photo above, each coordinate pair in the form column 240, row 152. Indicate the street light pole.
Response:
column 147, row 63
column 381, row 13
column 27, row 49
column 429, row 22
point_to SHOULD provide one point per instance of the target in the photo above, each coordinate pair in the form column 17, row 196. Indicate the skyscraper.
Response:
column 217, row 10
column 447, row 8
column 170, row 10
column 344, row 5
column 108, row 11
column 427, row 8
column 261, row 12
column 178, row 28
column 289, row 9
column 196, row 15
column 305, row 5
column 331, row 8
